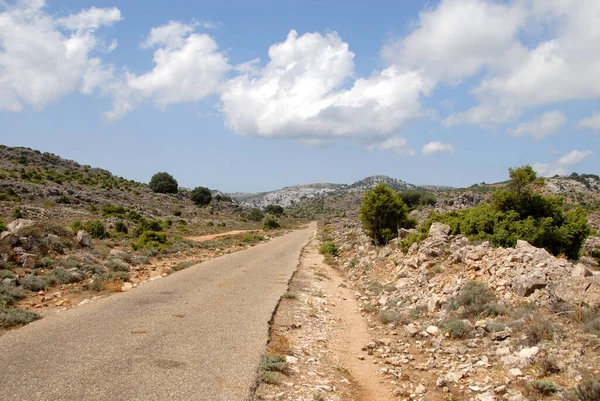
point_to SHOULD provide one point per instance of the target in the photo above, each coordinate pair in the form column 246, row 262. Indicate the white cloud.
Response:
column 459, row 37
column 437, row 147
column 43, row 58
column 592, row 122
column 397, row 144
column 187, row 67
column 562, row 165
column 541, row 126
column 304, row 91
column 561, row 62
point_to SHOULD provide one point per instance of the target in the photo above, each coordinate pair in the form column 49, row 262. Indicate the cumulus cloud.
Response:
column 541, row 126
column 437, row 147
column 43, row 58
column 561, row 65
column 592, row 122
column 459, row 37
column 188, row 67
column 561, row 165
column 397, row 144
column 306, row 91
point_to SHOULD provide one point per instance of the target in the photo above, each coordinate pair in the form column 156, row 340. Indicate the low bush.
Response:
column 273, row 363
column 222, row 224
column 329, row 248
column 271, row 224
column 61, row 276
column 209, row 224
column 33, row 283
column 10, row 317
column 95, row 228
column 390, row 316
column 2, row 226
column 150, row 239
column 108, row 210
column 456, row 328
column 121, row 227
column 544, row 387
column 274, row 210
column 134, row 216
column 477, row 301
column 536, row 330
column 45, row 262
column 64, row 200
column 177, row 213
column 17, row 214
column 587, row 390
column 116, row 265
column 9, row 293
column 255, row 215
column 253, row 238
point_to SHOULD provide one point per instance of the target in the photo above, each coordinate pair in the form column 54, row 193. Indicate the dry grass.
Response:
column 279, row 344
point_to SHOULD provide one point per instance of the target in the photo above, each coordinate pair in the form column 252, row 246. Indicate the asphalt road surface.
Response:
column 194, row 335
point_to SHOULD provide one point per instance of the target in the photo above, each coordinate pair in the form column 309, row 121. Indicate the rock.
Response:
column 580, row 271
column 503, row 351
column 28, row 260
column 291, row 359
column 403, row 232
column 126, row 286
column 500, row 335
column 515, row 372
column 420, row 389
column 454, row 377
column 18, row 225
column 8, row 239
column 411, row 329
column 84, row 239
column 577, row 290
column 485, row 397
column 528, row 353
column 526, row 284
column 439, row 230
column 433, row 330
column 441, row 382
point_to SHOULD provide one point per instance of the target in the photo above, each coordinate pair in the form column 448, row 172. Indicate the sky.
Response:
column 247, row 96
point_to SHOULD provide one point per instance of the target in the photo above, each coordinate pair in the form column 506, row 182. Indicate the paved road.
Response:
column 194, row 335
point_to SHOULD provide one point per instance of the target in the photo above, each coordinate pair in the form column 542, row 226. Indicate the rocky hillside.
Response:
column 455, row 320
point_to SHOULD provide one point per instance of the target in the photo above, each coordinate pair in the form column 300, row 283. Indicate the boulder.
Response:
column 439, row 230
column 18, row 225
column 580, row 271
column 8, row 239
column 84, row 239
column 526, row 284
column 577, row 290
column 28, row 260
column 403, row 232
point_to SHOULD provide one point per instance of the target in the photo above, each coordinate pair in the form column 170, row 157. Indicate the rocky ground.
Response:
column 447, row 320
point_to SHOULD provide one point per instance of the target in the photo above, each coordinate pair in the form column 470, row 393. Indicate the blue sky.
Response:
column 254, row 96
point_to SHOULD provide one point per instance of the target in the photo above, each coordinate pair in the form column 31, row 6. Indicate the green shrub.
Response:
column 10, row 317
column 62, row 276
column 271, row 224
column 163, row 183
column 273, row 363
column 221, row 224
column 134, row 216
column 116, row 265
column 33, row 283
column 477, row 300
column 108, row 209
column 274, row 210
column 177, row 213
column 414, row 199
column 95, row 228
column 63, row 199
column 382, row 212
column 9, row 293
column 456, row 328
column 587, row 390
column 596, row 255
column 544, row 387
column 520, row 213
column 2, row 226
column 121, row 227
column 329, row 248
column 209, row 224
column 253, row 238
column 255, row 215
column 390, row 316
column 201, row 196
column 45, row 262
column 148, row 225
column 17, row 214
column 150, row 239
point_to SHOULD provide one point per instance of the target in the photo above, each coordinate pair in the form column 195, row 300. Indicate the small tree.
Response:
column 163, row 183
column 382, row 212
column 274, row 210
column 201, row 196
column 255, row 215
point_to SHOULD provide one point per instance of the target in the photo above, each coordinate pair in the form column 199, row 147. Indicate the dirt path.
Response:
column 213, row 236
column 320, row 328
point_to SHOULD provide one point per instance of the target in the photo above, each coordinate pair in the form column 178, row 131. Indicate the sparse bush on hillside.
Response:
column 329, row 248
column 63, row 199
column 17, row 213
column 163, row 183
column 108, row 209
column 477, row 300
column 414, row 199
column 271, row 224
column 382, row 212
column 134, row 216
column 95, row 228
column 587, row 390
column 10, row 317
column 223, row 198
column 177, row 213
column 255, row 215
column 33, row 283
column 274, row 210
column 520, row 213
column 121, row 227
column 201, row 196
column 150, row 239
column 2, row 226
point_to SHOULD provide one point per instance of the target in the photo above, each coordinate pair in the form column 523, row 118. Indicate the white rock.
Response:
column 528, row 353
column 18, row 224
column 515, row 372
column 433, row 330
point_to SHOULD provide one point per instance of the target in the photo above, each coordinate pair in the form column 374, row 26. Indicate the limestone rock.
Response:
column 84, row 239
column 19, row 224
column 526, row 284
